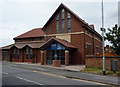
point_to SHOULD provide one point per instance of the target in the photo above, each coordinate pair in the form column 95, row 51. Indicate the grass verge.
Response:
column 99, row 71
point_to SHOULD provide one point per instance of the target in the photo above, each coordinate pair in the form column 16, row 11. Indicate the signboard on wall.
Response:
column 66, row 37
column 56, row 46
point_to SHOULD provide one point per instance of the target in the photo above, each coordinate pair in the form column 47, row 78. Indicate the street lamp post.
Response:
column 103, row 41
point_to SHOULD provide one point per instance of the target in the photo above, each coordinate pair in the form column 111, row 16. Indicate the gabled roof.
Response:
column 60, row 41
column 22, row 45
column 35, row 45
column 70, row 11
column 19, row 46
column 37, row 32
column 65, row 43
column 65, row 7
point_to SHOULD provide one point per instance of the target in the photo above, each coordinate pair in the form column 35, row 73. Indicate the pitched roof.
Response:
column 37, row 32
column 60, row 41
column 7, row 47
column 21, row 45
column 35, row 45
column 62, row 6
column 64, row 42
column 108, row 54
column 65, row 7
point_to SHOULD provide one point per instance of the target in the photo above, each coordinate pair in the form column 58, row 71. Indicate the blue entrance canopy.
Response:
column 55, row 46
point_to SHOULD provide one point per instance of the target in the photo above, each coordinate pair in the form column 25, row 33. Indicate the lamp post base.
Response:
column 104, row 73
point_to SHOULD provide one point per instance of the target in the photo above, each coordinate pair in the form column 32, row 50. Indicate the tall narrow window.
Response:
column 63, row 15
column 16, row 53
column 88, row 49
column 62, row 26
column 68, row 21
column 26, row 52
column 31, row 53
column 63, row 19
column 57, row 24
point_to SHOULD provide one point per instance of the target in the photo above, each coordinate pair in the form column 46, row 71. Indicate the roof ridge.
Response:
column 79, row 18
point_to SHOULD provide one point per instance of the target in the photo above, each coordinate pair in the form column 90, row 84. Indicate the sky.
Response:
column 119, row 13
column 20, row 16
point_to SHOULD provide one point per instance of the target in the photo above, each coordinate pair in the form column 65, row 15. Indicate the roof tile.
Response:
column 37, row 32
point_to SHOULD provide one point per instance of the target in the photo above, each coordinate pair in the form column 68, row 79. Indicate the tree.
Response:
column 113, row 36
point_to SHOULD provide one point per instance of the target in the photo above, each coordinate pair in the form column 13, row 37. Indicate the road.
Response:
column 19, row 76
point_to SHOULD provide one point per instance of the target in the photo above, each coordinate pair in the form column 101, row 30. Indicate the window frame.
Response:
column 57, row 24
column 15, row 53
column 63, row 20
column 69, row 22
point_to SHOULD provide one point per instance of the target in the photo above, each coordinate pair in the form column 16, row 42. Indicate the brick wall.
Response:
column 95, row 61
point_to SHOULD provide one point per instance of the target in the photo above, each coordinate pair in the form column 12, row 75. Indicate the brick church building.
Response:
column 65, row 37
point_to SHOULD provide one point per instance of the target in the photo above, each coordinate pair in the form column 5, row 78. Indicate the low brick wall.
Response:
column 56, row 63
column 96, row 61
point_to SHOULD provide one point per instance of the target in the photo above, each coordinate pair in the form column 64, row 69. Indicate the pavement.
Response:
column 62, row 67
column 72, row 72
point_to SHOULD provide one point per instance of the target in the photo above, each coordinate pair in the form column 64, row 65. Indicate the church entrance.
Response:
column 55, row 55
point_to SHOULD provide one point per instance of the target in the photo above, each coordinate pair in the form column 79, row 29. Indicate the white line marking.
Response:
column 5, row 73
column 42, row 69
column 29, row 80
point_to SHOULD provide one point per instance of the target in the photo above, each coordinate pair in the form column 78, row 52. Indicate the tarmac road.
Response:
column 18, row 76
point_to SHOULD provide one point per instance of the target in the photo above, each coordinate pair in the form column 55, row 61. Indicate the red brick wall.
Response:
column 78, row 40
column 38, row 53
column 94, row 43
column 44, row 57
column 97, row 43
column 76, row 25
column 89, row 40
column 22, row 56
column 97, row 62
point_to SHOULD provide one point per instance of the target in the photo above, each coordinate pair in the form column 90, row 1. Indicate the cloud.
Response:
column 56, row 0
column 21, row 16
column 119, row 13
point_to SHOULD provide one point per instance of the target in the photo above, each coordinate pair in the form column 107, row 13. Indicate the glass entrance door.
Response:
column 55, row 55
column 49, row 57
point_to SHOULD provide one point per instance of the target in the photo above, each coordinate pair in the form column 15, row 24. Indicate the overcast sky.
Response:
column 19, row 16
column 119, row 13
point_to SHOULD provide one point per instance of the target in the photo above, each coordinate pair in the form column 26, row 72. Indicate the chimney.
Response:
column 92, row 26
